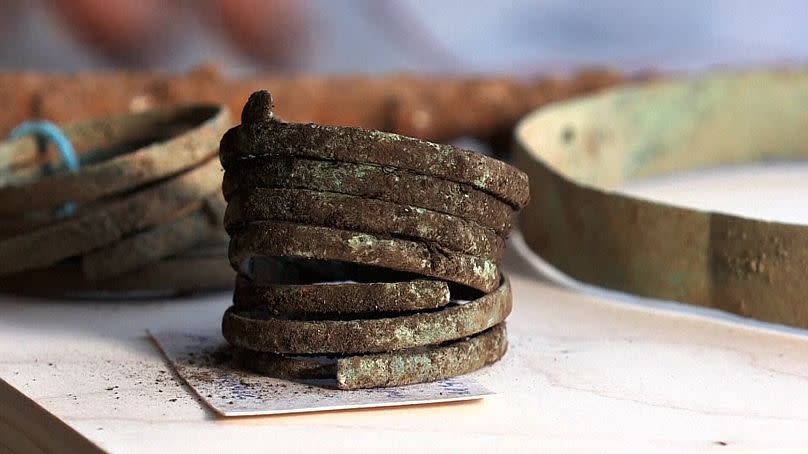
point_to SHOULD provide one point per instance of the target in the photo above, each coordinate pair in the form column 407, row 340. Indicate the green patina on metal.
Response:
column 353, row 247
column 395, row 369
column 372, row 216
column 386, row 369
column 283, row 239
column 270, row 137
column 257, row 330
column 579, row 152
column 306, row 300
column 372, row 182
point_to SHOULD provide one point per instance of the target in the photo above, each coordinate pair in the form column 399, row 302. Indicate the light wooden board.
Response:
column 586, row 371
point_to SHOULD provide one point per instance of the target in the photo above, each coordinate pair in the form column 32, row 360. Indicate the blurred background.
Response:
column 338, row 36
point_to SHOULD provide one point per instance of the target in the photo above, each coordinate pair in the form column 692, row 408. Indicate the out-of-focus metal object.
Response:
column 143, row 191
column 428, row 107
column 577, row 151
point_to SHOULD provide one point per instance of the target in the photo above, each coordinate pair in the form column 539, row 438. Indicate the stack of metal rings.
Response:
column 365, row 257
column 138, row 214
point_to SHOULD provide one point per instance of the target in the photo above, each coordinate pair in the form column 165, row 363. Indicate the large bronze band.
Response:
column 577, row 152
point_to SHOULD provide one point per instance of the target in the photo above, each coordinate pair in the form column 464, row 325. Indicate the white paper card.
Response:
column 203, row 361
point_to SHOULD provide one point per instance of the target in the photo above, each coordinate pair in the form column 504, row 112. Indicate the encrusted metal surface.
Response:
column 260, row 136
column 108, row 222
column 346, row 212
column 307, row 300
column 370, row 182
column 146, row 191
column 358, row 245
column 257, row 330
column 395, row 368
column 117, row 154
column 283, row 239
column 428, row 364
column 148, row 246
column 188, row 272
column 578, row 152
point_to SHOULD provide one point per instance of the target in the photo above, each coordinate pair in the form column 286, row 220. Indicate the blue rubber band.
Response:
column 49, row 131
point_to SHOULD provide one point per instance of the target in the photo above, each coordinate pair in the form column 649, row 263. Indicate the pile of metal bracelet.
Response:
column 134, row 207
column 366, row 257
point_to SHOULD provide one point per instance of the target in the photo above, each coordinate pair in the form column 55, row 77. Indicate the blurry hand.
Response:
column 273, row 32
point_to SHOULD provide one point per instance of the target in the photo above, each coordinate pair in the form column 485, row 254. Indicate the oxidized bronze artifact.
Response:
column 365, row 257
column 578, row 152
column 143, row 197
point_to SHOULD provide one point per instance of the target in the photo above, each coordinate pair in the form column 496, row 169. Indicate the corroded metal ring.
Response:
column 109, row 222
column 256, row 138
column 188, row 272
column 379, row 370
column 257, row 330
column 117, row 154
column 580, row 153
column 307, row 300
column 146, row 193
column 148, row 246
column 283, row 239
column 355, row 251
column 373, row 216
column 371, row 182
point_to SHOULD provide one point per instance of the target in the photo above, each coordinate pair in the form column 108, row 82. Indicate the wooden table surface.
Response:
column 587, row 370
